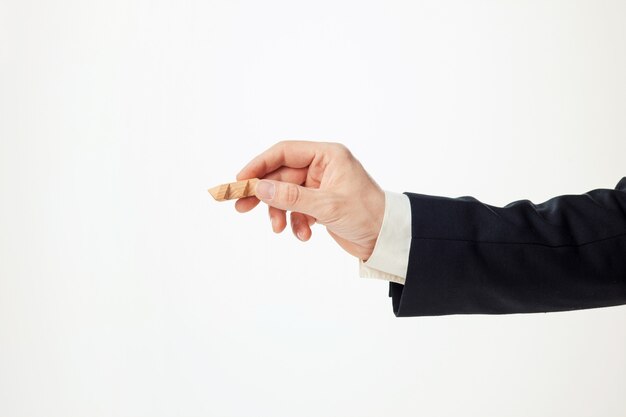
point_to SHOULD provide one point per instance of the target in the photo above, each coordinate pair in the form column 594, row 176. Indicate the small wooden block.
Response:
column 234, row 190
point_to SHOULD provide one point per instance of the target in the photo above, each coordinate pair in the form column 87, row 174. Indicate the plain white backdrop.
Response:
column 125, row 290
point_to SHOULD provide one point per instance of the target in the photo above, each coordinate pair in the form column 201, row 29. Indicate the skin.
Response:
column 318, row 182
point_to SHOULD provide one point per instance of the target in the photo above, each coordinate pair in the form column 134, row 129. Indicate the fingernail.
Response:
column 300, row 235
column 265, row 190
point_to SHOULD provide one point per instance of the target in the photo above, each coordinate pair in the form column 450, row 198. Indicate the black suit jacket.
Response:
column 467, row 257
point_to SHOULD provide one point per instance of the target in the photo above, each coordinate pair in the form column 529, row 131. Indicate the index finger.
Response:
column 292, row 153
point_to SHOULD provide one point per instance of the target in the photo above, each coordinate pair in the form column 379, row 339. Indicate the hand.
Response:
column 318, row 182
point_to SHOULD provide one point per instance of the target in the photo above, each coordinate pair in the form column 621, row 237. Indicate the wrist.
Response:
column 376, row 215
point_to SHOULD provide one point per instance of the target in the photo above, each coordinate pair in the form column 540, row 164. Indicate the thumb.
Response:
column 289, row 196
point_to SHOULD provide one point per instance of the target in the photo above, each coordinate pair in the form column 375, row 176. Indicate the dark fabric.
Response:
column 467, row 257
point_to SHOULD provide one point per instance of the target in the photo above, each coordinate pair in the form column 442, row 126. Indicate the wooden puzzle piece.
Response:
column 233, row 190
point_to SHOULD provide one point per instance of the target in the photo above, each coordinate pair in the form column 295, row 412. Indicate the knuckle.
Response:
column 292, row 194
column 285, row 146
column 278, row 146
column 341, row 150
column 284, row 143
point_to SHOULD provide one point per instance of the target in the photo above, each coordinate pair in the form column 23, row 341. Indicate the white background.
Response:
column 126, row 291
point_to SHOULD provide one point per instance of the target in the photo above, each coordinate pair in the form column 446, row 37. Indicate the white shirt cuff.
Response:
column 390, row 258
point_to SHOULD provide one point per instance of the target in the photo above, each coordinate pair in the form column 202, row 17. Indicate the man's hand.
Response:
column 318, row 182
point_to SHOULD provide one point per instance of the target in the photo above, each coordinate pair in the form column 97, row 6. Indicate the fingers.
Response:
column 246, row 204
column 292, row 154
column 292, row 197
column 287, row 174
column 293, row 175
column 300, row 226
column 278, row 218
column 300, row 223
column 310, row 220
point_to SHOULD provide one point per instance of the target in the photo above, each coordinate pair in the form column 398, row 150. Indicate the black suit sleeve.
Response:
column 467, row 257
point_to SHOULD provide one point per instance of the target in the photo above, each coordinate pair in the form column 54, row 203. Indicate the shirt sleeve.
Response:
column 390, row 258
